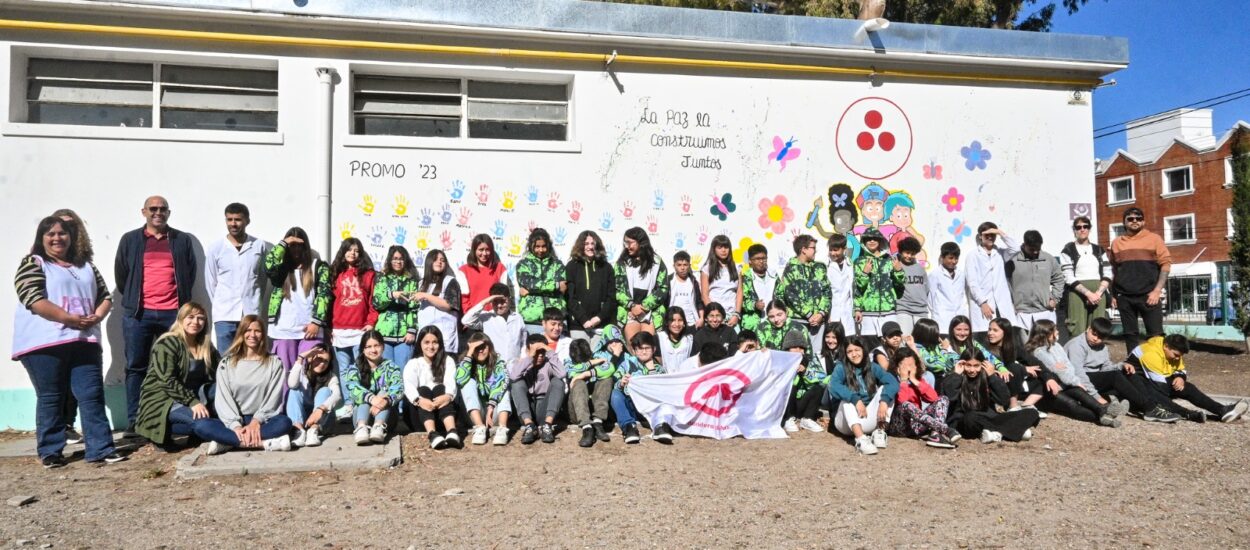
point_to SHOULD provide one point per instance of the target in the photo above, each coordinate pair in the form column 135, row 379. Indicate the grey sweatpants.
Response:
column 525, row 404
column 581, row 396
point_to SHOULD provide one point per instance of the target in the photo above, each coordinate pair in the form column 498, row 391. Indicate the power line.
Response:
column 1109, row 126
column 1122, row 130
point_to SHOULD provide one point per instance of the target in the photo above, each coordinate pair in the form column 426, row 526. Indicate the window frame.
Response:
column 1112, row 233
column 1165, row 181
column 1167, row 229
column 1231, row 225
column 1132, row 191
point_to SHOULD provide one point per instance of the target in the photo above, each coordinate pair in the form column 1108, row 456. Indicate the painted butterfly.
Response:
column 932, row 171
column 784, row 151
column 723, row 206
column 959, row 230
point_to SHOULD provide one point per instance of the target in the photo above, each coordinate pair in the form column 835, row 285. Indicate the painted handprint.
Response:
column 702, row 235
column 401, row 206
column 418, row 260
column 509, row 201
column 465, row 216
column 560, row 235
column 685, row 205
column 457, row 191
column 531, row 195
column 401, row 235
column 627, row 210
column 446, row 239
column 605, row 221
column 532, row 226
column 427, row 218
column 376, row 235
column 696, row 261
column 367, row 205
column 575, row 211
column 483, row 194
column 515, row 245
column 658, row 202
column 445, row 216
column 653, row 225
column 679, row 241
column 346, row 230
column 553, row 201
column 500, row 229
column 423, row 240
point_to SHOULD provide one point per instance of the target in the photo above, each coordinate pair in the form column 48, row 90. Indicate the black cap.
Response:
column 1133, row 210
column 890, row 328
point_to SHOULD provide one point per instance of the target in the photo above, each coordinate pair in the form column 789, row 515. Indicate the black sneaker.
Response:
column 1234, row 411
column 1160, row 414
column 72, row 437
column 588, row 437
column 600, row 433
column 663, row 434
column 111, row 458
column 1196, row 416
column 52, row 461
column 631, row 434
column 548, row 433
column 939, row 441
column 528, row 434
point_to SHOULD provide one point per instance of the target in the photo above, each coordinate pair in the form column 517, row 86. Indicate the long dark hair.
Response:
column 646, row 255
column 362, row 363
column 833, row 355
column 974, row 395
column 82, row 246
column 317, row 381
column 409, row 270
column 926, row 333
column 1006, row 349
column 439, row 363
column 578, row 254
column 491, row 358
column 71, row 251
column 675, row 311
column 1039, row 336
column 864, row 368
column 540, row 234
column 363, row 262
column 482, row 238
column 903, row 353
column 715, row 265
column 430, row 275
column 298, row 256
column 958, row 346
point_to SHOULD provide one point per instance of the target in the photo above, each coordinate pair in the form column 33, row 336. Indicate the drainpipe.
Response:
column 322, row 151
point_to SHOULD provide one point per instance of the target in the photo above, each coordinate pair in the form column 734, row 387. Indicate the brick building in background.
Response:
column 1180, row 174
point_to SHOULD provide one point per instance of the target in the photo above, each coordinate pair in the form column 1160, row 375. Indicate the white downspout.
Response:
column 323, row 157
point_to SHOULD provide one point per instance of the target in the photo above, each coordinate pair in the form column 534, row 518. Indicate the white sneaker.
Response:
column 378, row 433
column 790, row 425
column 864, row 446
column 362, row 435
column 1028, row 434
column 878, row 438
column 312, row 436
column 344, row 412
column 810, row 425
column 215, row 448
column 280, row 444
column 300, row 436
column 989, row 436
column 479, row 435
column 501, row 436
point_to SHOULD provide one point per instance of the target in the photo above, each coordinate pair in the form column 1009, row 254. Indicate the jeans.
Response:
column 181, row 420
column 807, row 406
column 361, row 416
column 472, row 401
column 547, row 404
column 139, row 334
column 288, row 351
column 594, row 336
column 398, row 353
column 225, row 331
column 300, row 403
column 1132, row 307
column 623, row 406
column 212, row 429
column 56, row 372
column 344, row 356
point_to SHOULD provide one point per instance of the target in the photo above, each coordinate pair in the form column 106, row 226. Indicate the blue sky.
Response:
column 1180, row 51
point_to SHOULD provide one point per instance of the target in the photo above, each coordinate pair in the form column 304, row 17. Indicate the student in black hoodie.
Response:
column 592, row 288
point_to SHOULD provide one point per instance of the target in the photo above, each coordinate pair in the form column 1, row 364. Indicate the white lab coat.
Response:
column 987, row 282
column 948, row 296
column 842, row 283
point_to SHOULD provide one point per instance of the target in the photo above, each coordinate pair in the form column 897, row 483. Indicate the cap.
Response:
column 890, row 328
column 794, row 339
column 873, row 233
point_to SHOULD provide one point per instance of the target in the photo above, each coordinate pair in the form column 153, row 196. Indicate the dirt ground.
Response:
column 1074, row 485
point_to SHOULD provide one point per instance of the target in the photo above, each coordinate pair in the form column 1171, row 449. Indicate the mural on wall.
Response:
column 874, row 138
column 784, row 151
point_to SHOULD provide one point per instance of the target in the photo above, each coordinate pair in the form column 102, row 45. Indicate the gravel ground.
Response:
column 1074, row 485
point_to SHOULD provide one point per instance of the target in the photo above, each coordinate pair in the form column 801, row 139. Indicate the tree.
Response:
column 1239, row 251
column 995, row 14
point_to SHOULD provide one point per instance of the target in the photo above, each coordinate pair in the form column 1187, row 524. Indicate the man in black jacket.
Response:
column 155, row 270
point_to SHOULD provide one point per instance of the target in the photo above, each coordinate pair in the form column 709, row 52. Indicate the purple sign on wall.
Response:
column 1078, row 209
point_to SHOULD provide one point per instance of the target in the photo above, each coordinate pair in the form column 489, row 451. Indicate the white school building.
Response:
column 424, row 123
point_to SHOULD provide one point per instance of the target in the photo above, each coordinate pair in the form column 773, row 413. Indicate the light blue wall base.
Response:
column 1201, row 332
column 17, row 407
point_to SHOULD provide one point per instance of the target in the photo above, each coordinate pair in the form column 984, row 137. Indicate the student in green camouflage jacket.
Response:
column 773, row 331
column 808, row 388
column 590, row 383
column 643, row 362
column 641, row 285
column 804, row 288
column 542, row 281
column 299, row 304
column 758, row 283
column 879, row 281
column 483, row 380
column 397, row 311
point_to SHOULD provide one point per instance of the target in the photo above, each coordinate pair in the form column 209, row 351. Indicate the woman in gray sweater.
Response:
column 249, row 396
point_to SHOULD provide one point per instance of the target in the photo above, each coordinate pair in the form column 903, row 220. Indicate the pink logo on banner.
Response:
column 717, row 392
column 874, row 138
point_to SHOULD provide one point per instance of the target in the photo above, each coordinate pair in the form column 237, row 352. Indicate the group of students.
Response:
column 887, row 347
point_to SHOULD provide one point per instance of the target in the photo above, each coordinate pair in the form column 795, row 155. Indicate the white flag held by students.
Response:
column 743, row 395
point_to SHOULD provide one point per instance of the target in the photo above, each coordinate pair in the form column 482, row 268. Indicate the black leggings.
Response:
column 1021, row 384
column 807, row 406
column 437, row 414
column 1116, row 382
column 1164, row 394
column 1076, row 403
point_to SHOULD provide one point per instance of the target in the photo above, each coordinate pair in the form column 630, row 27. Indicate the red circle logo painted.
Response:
column 717, row 392
column 874, row 138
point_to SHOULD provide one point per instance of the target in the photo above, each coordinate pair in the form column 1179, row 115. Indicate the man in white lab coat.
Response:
column 948, row 291
column 841, row 280
column 987, row 277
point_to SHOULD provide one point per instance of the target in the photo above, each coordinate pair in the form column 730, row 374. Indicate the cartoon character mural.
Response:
column 843, row 214
column 874, row 207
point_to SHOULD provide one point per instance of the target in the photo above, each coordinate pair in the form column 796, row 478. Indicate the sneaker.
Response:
column 811, row 425
column 790, row 425
column 630, row 433
column 51, row 462
column 378, row 433
column 362, row 435
column 879, row 439
column 528, row 434
column 548, row 433
column 989, row 436
column 955, row 437
column 312, row 436
column 1117, row 409
column 1196, row 416
column 864, row 445
column 344, row 411
column 600, row 433
column 662, row 434
column 300, row 437
column 1235, row 412
column 437, row 441
column 72, row 437
column 453, row 439
column 1040, row 414
column 1027, row 435
column 1160, row 414
column 279, row 444
column 479, row 435
column 939, row 441
column 215, row 448
column 1109, row 421
column 588, row 437
column 501, row 436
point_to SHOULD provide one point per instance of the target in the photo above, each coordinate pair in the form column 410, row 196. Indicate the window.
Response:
column 1115, row 230
column 1230, row 224
column 1179, row 229
column 1177, row 181
column 1187, row 297
column 1229, row 180
column 1120, row 191
column 455, row 108
column 107, row 93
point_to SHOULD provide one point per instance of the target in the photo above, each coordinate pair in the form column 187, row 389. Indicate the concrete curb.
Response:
column 335, row 453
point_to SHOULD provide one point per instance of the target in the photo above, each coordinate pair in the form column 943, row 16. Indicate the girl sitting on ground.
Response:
column 772, row 332
column 809, row 386
column 935, row 352
column 1025, row 376
column 314, row 393
column 482, row 377
column 863, row 395
column 979, row 403
column 714, row 329
column 919, row 412
column 1076, row 396
column 430, row 384
column 374, row 386
column 677, row 342
column 641, row 363
column 178, row 389
column 249, row 396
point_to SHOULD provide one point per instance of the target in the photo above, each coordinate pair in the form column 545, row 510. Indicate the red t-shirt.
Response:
column 160, row 285
column 480, row 280
column 353, row 300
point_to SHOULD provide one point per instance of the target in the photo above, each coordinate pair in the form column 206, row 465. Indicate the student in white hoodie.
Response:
column 948, row 295
column 987, row 277
column 502, row 324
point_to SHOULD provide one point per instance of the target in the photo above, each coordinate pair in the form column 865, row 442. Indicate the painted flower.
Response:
column 775, row 213
column 959, row 229
column 974, row 155
column 954, row 200
column 740, row 252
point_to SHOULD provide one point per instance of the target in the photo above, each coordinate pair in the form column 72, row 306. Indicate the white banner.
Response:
column 743, row 395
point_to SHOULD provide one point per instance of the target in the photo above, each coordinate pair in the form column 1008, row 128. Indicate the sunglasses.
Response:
column 1133, row 218
column 158, row 209
column 1080, row 227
